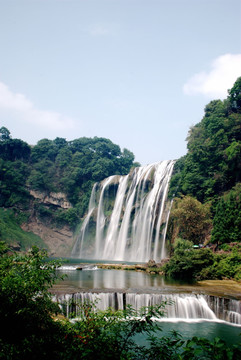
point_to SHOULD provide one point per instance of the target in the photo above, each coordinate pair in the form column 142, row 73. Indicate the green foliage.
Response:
column 199, row 348
column 187, row 263
column 12, row 183
column 228, row 266
column 42, row 176
column 235, row 96
column 225, row 266
column 207, row 181
column 111, row 334
column 29, row 330
column 213, row 162
column 227, row 219
column 201, row 264
column 73, row 167
column 57, row 165
column 4, row 134
column 13, row 149
column 69, row 216
column 45, row 149
column 11, row 232
column 174, row 187
column 190, row 220
column 181, row 245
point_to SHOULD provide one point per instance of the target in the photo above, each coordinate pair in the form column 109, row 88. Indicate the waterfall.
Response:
column 179, row 306
column 125, row 222
column 78, row 244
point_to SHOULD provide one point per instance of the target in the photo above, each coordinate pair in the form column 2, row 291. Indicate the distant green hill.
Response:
column 210, row 172
column 56, row 168
column 51, row 182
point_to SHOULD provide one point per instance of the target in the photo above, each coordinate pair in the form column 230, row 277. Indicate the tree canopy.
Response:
column 213, row 161
column 210, row 172
column 70, row 167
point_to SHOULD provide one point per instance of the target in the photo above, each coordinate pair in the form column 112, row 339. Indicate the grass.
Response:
column 12, row 234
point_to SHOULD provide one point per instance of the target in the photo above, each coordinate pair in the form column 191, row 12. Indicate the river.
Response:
column 201, row 309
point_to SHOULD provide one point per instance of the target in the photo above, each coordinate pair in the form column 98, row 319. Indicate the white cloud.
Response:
column 223, row 73
column 26, row 111
column 98, row 30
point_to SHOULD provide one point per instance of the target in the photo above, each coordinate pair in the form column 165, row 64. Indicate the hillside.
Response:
column 207, row 187
column 210, row 173
column 45, row 188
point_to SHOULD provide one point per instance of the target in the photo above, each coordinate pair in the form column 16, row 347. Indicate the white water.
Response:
column 130, row 229
column 188, row 307
column 79, row 243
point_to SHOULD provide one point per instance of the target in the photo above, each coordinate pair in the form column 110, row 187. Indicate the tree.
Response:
column 60, row 142
column 12, row 183
column 213, row 161
column 30, row 331
column 27, row 328
column 42, row 176
column 64, row 157
column 227, row 219
column 190, row 220
column 235, row 96
column 45, row 149
column 57, row 165
column 187, row 263
column 4, row 134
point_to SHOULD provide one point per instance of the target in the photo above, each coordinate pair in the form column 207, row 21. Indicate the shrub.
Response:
column 187, row 263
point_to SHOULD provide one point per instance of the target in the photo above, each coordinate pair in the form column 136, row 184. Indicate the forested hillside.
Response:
column 50, row 184
column 52, row 180
column 207, row 186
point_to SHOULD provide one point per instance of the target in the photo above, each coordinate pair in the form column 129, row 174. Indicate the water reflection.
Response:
column 115, row 279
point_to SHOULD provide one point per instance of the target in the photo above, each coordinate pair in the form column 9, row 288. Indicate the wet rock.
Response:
column 151, row 263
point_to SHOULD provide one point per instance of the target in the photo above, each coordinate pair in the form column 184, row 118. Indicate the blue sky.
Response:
column 138, row 72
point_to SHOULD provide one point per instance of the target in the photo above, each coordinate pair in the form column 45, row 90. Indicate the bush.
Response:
column 225, row 266
column 228, row 266
column 187, row 263
column 29, row 330
column 69, row 216
column 190, row 219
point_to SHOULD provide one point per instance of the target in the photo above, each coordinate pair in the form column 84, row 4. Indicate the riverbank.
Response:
column 223, row 288
column 151, row 267
column 229, row 288
column 112, row 278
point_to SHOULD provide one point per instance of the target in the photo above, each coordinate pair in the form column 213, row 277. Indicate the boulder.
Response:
column 151, row 263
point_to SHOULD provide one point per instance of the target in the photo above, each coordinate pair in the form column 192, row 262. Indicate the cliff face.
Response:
column 58, row 240
column 58, row 199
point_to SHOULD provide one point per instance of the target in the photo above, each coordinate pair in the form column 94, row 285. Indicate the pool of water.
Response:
column 92, row 278
column 205, row 329
column 105, row 279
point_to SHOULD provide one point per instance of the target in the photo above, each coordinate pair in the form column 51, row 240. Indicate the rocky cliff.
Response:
column 58, row 199
column 59, row 240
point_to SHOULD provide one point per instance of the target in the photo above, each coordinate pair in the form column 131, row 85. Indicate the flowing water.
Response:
column 189, row 310
column 127, row 221
column 126, row 215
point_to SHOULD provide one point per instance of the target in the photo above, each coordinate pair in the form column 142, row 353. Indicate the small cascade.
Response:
column 125, row 221
column 179, row 306
column 228, row 309
column 79, row 243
